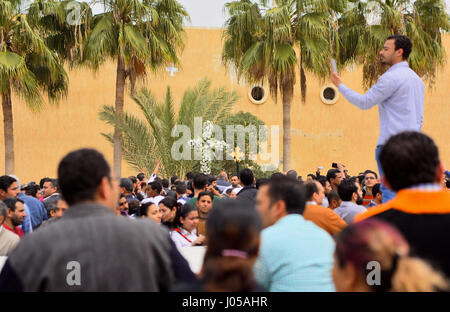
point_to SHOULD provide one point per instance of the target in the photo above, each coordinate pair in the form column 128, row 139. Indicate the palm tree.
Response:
column 27, row 67
column 145, row 141
column 364, row 27
column 137, row 34
column 261, row 40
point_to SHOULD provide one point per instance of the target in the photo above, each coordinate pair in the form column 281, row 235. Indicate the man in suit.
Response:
column 90, row 249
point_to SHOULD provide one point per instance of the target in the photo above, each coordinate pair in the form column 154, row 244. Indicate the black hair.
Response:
column 289, row 191
column 183, row 212
column 232, row 225
column 10, row 202
column 140, row 176
column 127, row 184
column 165, row 183
column 80, row 173
column 370, row 171
column 189, row 175
column 173, row 179
column 246, row 176
column 331, row 174
column 143, row 210
column 51, row 203
column 5, row 182
column 346, row 189
column 211, row 179
column 139, row 196
column 230, row 190
column 409, row 158
column 277, row 175
column 376, row 190
column 292, row 174
column 133, row 206
column 156, row 186
column 313, row 176
column 200, row 181
column 402, row 42
column 322, row 180
column 205, row 194
column 169, row 202
column 261, row 182
column 180, row 188
column 31, row 190
column 333, row 195
column 310, row 189
column 133, row 179
column 43, row 180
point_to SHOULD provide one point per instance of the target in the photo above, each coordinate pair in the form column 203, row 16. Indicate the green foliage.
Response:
column 364, row 27
column 146, row 140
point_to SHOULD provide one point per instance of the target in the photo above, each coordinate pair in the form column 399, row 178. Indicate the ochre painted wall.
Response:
column 321, row 134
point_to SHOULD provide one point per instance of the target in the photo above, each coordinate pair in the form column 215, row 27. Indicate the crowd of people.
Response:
column 278, row 234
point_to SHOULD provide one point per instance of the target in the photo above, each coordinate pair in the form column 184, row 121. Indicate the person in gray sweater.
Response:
column 90, row 248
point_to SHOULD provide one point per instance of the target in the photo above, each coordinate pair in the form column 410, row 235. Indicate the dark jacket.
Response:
column 113, row 253
column 249, row 193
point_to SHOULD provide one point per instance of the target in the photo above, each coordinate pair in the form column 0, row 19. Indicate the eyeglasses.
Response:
column 370, row 178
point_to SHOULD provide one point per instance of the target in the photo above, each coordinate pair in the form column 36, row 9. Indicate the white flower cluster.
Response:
column 205, row 145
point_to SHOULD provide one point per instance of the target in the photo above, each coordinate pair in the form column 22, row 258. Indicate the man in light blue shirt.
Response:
column 399, row 94
column 295, row 254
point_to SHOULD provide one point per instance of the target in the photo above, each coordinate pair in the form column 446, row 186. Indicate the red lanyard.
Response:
column 179, row 231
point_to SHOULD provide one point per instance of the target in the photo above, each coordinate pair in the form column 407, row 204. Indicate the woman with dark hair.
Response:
column 375, row 245
column 185, row 224
column 168, row 207
column 233, row 236
column 151, row 211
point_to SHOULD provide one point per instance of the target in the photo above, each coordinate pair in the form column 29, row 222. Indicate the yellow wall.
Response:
column 321, row 134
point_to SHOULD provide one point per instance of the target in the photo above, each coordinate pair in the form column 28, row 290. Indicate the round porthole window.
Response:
column 258, row 94
column 329, row 94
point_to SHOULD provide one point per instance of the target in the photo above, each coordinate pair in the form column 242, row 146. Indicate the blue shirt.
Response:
column 295, row 255
column 37, row 212
column 400, row 95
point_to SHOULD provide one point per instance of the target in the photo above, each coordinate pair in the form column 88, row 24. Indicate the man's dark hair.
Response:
column 292, row 174
column 246, row 177
column 346, row 189
column 289, row 191
column 51, row 204
column 10, row 202
column 331, row 174
column 31, row 190
column 409, row 158
column 313, row 176
column 277, row 175
column 211, row 179
column 376, row 190
column 156, row 186
column 165, row 183
column 5, row 182
column 322, row 180
column 133, row 179
column 205, row 194
column 140, row 176
column 180, row 188
column 173, row 179
column 80, row 173
column 261, row 182
column 139, row 197
column 310, row 189
column 43, row 180
column 402, row 42
column 127, row 184
column 200, row 181
column 370, row 171
column 189, row 175
column 133, row 207
column 333, row 195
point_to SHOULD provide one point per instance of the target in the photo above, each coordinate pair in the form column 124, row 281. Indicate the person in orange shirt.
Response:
column 421, row 208
column 323, row 217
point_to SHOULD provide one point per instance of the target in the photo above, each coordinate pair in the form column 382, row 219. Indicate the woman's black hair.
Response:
column 169, row 202
column 143, row 210
column 183, row 213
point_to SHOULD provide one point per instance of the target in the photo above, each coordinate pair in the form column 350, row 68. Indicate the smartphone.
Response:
column 320, row 168
column 334, row 66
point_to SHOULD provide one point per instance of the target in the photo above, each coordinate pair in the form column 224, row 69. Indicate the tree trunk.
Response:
column 8, row 128
column 288, row 93
column 120, row 93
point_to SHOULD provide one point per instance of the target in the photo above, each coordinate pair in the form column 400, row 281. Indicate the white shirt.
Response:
column 180, row 241
column 154, row 200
